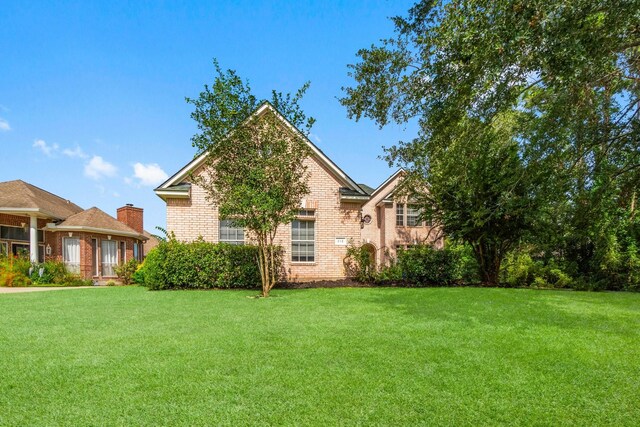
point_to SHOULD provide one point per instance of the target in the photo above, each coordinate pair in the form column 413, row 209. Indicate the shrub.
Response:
column 14, row 271
column 425, row 265
column 389, row 274
column 138, row 277
column 126, row 271
column 52, row 272
column 359, row 263
column 201, row 265
column 521, row 269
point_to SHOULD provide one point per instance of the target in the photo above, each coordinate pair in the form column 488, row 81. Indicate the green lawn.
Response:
column 127, row 356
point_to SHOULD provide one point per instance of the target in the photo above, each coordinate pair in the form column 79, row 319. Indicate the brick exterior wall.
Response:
column 54, row 240
column 194, row 217
column 17, row 221
column 384, row 234
column 86, row 250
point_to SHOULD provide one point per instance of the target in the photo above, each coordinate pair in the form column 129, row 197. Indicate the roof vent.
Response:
column 129, row 204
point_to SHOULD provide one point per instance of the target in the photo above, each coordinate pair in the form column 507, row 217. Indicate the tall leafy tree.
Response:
column 568, row 71
column 254, row 172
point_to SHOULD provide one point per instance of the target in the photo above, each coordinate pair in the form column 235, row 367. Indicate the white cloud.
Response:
column 75, row 153
column 44, row 147
column 150, row 174
column 4, row 125
column 98, row 168
column 315, row 137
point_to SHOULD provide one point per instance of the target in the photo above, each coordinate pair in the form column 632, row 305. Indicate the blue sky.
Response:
column 92, row 93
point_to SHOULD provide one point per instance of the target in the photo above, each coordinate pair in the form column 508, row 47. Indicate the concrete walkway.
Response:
column 6, row 290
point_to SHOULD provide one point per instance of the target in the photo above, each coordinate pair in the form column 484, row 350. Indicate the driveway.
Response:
column 5, row 290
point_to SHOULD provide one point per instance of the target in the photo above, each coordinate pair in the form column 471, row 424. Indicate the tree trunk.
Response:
column 267, row 263
column 489, row 260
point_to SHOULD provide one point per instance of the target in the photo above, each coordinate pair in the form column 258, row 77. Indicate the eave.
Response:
column 37, row 212
column 86, row 229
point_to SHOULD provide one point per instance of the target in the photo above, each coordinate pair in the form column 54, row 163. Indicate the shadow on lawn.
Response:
column 518, row 308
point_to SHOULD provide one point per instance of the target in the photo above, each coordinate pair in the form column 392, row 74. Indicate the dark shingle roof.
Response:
column 366, row 188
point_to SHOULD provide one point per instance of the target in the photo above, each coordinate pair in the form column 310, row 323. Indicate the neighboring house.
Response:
column 48, row 227
column 334, row 213
column 151, row 242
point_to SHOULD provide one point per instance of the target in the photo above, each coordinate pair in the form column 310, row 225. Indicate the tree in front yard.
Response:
column 563, row 75
column 254, row 172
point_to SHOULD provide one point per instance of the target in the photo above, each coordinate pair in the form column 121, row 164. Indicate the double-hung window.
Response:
column 230, row 233
column 303, row 236
column 413, row 213
column 399, row 214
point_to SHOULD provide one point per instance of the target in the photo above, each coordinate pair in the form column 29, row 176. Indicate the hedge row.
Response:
column 199, row 265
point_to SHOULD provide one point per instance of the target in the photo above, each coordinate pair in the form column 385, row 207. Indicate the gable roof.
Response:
column 19, row 197
column 388, row 181
column 172, row 186
column 97, row 221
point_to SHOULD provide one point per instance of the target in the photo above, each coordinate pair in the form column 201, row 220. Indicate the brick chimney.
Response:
column 131, row 216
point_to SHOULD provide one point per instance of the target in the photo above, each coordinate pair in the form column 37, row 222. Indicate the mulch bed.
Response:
column 344, row 283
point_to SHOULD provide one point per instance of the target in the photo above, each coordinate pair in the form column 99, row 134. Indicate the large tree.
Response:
column 567, row 71
column 254, row 172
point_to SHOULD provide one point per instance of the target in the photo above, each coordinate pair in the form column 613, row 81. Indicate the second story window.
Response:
column 407, row 215
column 413, row 212
column 399, row 214
column 231, row 234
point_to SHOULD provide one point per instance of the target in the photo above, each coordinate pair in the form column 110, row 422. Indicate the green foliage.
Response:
column 14, row 271
column 53, row 272
column 389, row 274
column 126, row 271
column 201, row 265
column 255, row 172
column 424, row 265
column 528, row 126
column 138, row 276
column 19, row 271
column 360, row 263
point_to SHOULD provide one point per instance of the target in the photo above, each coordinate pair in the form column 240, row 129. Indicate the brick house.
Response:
column 90, row 242
column 337, row 211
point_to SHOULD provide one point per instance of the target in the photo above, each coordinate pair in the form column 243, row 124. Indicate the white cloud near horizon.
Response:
column 76, row 153
column 4, row 125
column 98, row 168
column 149, row 175
column 46, row 149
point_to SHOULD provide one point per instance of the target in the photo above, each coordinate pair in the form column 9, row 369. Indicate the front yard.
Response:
column 128, row 356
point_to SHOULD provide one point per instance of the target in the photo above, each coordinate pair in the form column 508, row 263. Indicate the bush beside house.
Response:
column 18, row 271
column 200, row 265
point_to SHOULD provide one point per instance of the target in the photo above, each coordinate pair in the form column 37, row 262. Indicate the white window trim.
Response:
column 231, row 227
column 65, row 257
column 315, row 248
column 102, row 254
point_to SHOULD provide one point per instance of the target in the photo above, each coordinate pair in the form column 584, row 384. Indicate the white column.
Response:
column 33, row 239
